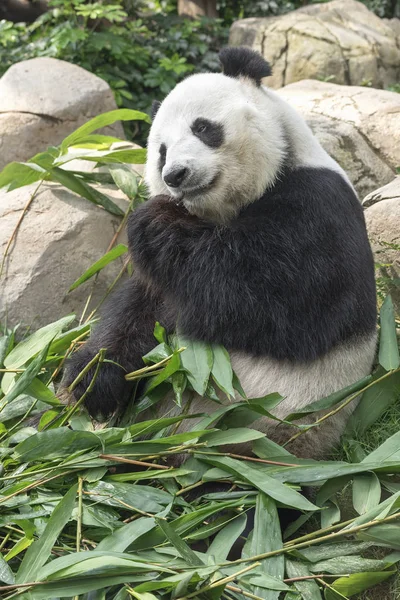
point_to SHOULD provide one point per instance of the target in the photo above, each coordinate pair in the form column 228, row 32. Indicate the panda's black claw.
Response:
column 109, row 391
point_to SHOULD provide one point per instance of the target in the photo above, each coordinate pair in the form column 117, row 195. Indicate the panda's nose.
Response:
column 175, row 178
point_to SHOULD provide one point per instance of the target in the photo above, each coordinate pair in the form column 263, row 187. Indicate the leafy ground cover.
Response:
column 104, row 512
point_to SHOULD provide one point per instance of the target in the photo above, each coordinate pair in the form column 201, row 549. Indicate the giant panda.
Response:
column 253, row 238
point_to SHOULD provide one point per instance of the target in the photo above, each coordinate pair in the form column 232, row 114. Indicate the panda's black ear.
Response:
column 244, row 62
column 154, row 108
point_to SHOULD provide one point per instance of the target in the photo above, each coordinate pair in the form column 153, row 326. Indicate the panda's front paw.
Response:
column 110, row 389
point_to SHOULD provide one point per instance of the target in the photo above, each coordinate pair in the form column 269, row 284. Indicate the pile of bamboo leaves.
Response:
column 98, row 512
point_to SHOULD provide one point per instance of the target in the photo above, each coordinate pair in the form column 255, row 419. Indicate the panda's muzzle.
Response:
column 176, row 177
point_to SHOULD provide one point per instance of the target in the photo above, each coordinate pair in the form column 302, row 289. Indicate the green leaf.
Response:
column 239, row 435
column 330, row 514
column 387, row 534
column 222, row 370
column 6, row 575
column 337, row 549
column 225, row 539
column 101, row 121
column 64, row 340
column 125, row 180
column 388, row 451
column 123, row 537
column 197, row 360
column 84, row 190
column 259, row 478
column 100, row 264
column 33, row 344
column 157, row 354
column 366, row 492
column 187, row 553
column 357, row 583
column 27, row 377
column 55, row 443
column 349, row 564
column 267, row 537
column 160, row 334
column 40, row 550
column 16, row 175
column 309, row 589
column 389, row 357
column 129, row 496
column 329, row 401
column 266, row 448
column 331, row 594
column 174, row 364
column 267, row 582
column 374, row 402
column 97, row 141
column 38, row 390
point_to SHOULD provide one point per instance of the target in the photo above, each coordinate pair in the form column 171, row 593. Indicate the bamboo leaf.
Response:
column 100, row 264
column 125, row 180
column 197, row 360
column 374, row 402
column 101, row 121
column 226, row 538
column 187, row 553
column 366, row 492
column 389, row 357
column 267, row 537
column 357, row 583
column 309, row 589
column 40, row 550
column 33, row 344
column 28, row 376
column 55, row 443
column 6, row 575
column 259, row 478
column 329, row 401
column 70, row 181
column 222, row 370
column 123, row 537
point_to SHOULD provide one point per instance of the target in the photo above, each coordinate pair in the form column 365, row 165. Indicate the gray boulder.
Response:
column 43, row 100
column 341, row 41
column 358, row 126
column 383, row 223
column 61, row 235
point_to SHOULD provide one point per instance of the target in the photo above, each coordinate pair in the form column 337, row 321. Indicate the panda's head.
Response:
column 216, row 142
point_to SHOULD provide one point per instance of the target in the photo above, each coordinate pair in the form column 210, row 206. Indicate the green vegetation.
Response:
column 142, row 50
column 102, row 513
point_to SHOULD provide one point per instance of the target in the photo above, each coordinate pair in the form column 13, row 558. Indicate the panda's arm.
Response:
column 126, row 332
column 202, row 269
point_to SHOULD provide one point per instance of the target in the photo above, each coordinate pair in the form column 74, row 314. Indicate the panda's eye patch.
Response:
column 163, row 156
column 209, row 132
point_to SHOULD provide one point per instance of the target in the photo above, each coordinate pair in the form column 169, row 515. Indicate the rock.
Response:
column 394, row 24
column 43, row 100
column 387, row 192
column 383, row 223
column 340, row 40
column 358, row 126
column 60, row 237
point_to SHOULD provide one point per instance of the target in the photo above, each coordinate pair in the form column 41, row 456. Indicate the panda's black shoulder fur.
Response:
column 291, row 277
column 241, row 61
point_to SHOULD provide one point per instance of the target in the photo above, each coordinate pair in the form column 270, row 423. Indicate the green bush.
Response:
column 141, row 55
